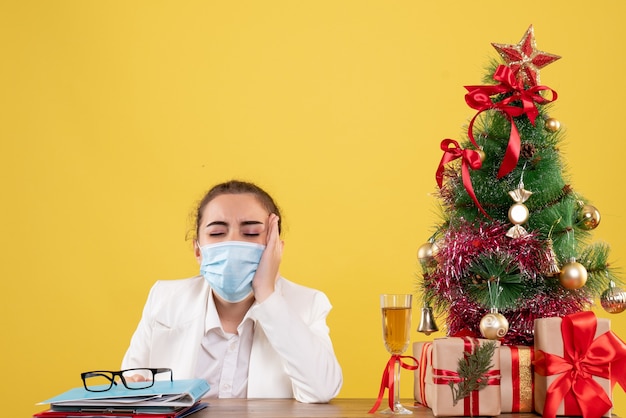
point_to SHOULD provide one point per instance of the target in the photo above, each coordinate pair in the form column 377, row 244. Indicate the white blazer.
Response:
column 292, row 354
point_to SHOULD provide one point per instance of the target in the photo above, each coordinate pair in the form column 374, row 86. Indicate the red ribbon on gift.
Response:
column 469, row 159
column 388, row 379
column 583, row 358
column 425, row 361
column 516, row 379
column 445, row 377
column 471, row 402
column 479, row 98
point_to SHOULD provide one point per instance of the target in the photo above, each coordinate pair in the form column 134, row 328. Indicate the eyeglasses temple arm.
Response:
column 165, row 370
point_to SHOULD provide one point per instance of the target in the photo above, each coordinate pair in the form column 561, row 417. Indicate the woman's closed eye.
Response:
column 252, row 229
column 251, row 232
column 217, row 229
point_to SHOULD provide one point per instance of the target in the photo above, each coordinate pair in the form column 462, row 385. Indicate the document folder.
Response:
column 162, row 396
column 118, row 413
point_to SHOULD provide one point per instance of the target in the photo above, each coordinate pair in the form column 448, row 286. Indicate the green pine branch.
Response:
column 473, row 369
column 495, row 281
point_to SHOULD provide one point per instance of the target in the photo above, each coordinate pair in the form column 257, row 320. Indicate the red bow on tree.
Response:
column 479, row 98
column 469, row 159
column 583, row 358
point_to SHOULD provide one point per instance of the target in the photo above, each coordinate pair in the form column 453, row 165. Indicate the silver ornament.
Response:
column 613, row 300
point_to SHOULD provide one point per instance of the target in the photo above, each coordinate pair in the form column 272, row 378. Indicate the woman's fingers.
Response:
column 267, row 272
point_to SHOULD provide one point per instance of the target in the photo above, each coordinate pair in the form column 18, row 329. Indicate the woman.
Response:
column 240, row 325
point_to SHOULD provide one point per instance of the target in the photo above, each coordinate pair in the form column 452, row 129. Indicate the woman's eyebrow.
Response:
column 251, row 223
column 220, row 223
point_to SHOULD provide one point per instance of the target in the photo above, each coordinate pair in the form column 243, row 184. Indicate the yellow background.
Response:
column 116, row 116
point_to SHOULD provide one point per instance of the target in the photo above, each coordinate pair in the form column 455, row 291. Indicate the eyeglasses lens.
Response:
column 98, row 381
column 138, row 378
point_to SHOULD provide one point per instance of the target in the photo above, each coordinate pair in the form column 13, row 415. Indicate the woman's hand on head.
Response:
column 267, row 272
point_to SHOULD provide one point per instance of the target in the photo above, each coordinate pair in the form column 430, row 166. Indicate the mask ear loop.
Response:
column 198, row 249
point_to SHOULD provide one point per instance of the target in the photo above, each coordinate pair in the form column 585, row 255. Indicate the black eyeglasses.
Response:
column 103, row 380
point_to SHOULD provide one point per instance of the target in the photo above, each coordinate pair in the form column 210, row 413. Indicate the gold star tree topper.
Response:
column 525, row 59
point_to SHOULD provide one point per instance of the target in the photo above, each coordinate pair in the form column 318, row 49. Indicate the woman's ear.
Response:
column 196, row 251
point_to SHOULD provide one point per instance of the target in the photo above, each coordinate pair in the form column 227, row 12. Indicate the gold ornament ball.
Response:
column 494, row 326
column 518, row 213
column 425, row 252
column 573, row 275
column 613, row 300
column 482, row 155
column 552, row 125
column 588, row 217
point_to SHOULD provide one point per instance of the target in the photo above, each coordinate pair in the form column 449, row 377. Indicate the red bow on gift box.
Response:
column 584, row 357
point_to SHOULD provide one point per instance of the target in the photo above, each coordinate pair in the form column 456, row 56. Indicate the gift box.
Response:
column 516, row 378
column 442, row 363
column 576, row 357
column 422, row 351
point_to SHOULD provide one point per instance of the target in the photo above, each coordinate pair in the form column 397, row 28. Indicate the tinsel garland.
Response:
column 460, row 246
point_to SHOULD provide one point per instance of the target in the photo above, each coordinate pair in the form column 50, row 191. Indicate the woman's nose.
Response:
column 231, row 235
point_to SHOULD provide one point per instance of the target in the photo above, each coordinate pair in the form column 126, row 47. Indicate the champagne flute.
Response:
column 396, row 314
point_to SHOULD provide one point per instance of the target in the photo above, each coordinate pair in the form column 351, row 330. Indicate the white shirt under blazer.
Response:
column 292, row 355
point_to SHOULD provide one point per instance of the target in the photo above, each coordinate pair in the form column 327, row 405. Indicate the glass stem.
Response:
column 396, row 386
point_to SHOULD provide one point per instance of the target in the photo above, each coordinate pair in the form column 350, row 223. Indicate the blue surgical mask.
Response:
column 229, row 268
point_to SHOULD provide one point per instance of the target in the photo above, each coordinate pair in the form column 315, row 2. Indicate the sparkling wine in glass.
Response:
column 396, row 313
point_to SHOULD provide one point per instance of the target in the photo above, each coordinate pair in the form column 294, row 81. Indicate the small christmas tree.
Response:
column 513, row 242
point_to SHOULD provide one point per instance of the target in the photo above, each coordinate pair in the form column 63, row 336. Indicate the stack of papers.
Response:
column 164, row 399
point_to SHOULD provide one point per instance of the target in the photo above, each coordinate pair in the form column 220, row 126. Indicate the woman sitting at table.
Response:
column 240, row 325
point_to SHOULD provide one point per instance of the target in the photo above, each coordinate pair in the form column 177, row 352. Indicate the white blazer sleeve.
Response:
column 138, row 352
column 295, row 326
